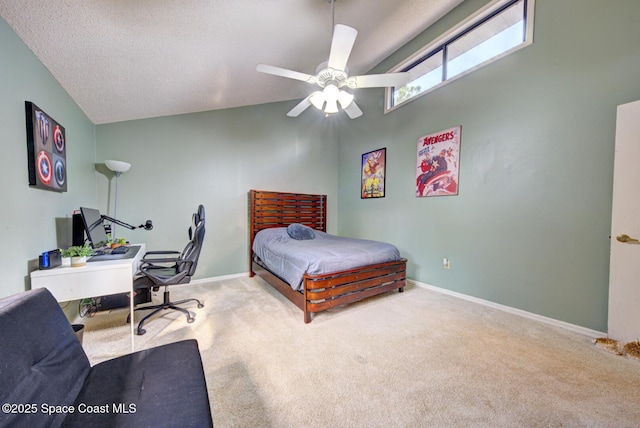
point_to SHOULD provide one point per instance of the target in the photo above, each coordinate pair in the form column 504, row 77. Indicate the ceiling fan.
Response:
column 331, row 76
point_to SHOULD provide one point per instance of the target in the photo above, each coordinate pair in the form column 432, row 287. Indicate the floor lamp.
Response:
column 118, row 167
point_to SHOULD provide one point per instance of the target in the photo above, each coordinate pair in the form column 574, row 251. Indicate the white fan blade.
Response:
column 353, row 110
column 300, row 107
column 343, row 39
column 397, row 80
column 283, row 72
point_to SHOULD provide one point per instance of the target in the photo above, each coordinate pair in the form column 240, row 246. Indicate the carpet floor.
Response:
column 413, row 359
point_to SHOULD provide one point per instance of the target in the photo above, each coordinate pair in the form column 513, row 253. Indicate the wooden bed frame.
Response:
column 320, row 292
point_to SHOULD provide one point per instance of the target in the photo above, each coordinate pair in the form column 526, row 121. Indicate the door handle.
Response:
column 626, row 238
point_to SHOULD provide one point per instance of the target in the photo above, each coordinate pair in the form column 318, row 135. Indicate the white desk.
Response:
column 95, row 279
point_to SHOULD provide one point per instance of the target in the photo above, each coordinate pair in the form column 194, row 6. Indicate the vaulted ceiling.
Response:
column 131, row 59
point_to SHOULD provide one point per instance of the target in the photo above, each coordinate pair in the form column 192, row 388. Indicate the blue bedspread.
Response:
column 290, row 258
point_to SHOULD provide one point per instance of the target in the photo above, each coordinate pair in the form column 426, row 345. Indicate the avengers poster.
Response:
column 373, row 170
column 437, row 168
column 46, row 150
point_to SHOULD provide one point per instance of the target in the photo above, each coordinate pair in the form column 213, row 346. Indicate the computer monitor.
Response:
column 94, row 227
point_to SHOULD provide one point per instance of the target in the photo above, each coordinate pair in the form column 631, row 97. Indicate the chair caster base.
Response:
column 190, row 320
column 141, row 331
column 200, row 305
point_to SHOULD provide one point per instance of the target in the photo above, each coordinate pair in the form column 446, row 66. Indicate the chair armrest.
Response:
column 161, row 252
column 177, row 263
column 160, row 260
column 161, row 263
column 155, row 255
column 166, row 279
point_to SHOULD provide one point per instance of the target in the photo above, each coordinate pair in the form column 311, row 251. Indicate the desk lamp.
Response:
column 118, row 167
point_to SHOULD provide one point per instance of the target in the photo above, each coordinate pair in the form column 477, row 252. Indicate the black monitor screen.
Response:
column 94, row 227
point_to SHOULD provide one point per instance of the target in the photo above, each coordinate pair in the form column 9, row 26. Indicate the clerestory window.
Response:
column 500, row 28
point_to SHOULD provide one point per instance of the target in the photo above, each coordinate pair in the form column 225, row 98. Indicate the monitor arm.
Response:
column 148, row 225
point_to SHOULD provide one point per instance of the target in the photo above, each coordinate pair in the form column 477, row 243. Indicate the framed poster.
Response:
column 438, row 163
column 46, row 150
column 373, row 174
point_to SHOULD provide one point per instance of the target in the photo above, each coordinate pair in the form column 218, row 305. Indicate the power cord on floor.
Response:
column 87, row 308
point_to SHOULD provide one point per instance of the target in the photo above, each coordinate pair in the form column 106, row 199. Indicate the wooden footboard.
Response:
column 320, row 292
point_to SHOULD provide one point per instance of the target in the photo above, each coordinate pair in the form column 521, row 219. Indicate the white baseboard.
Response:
column 219, row 278
column 557, row 323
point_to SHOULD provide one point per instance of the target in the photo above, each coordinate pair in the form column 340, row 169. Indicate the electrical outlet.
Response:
column 446, row 263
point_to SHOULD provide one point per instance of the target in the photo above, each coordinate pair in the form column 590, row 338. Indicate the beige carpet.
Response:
column 412, row 359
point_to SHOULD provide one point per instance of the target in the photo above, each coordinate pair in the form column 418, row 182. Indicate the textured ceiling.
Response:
column 131, row 59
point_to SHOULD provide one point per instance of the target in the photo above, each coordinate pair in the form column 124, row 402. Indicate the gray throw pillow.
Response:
column 300, row 231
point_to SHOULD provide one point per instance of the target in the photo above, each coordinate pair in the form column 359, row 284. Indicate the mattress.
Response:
column 291, row 258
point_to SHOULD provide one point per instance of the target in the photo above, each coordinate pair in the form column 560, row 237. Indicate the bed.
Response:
column 316, row 292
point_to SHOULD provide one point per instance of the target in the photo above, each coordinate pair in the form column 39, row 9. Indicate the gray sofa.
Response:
column 46, row 379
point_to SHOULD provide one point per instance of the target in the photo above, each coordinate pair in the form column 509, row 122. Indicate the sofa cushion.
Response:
column 161, row 386
column 43, row 362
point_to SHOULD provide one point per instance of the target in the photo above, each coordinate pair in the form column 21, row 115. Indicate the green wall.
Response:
column 530, row 226
column 31, row 219
column 529, row 229
column 214, row 158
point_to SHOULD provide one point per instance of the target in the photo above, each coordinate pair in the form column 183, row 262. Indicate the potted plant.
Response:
column 118, row 242
column 79, row 254
column 65, row 257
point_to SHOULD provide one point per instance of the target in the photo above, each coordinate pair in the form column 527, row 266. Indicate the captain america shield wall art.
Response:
column 46, row 150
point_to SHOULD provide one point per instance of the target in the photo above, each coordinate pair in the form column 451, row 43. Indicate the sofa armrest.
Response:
column 43, row 362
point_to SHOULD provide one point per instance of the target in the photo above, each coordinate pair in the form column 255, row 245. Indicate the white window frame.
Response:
column 481, row 15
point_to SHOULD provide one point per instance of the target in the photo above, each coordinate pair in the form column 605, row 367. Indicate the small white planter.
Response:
column 78, row 261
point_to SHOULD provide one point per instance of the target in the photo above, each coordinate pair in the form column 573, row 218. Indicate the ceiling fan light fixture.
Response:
column 332, row 107
column 331, row 93
column 317, row 99
column 345, row 99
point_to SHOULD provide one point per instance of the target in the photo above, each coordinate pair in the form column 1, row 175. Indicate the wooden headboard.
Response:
column 278, row 209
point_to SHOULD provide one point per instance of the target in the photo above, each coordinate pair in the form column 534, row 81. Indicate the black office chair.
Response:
column 167, row 268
